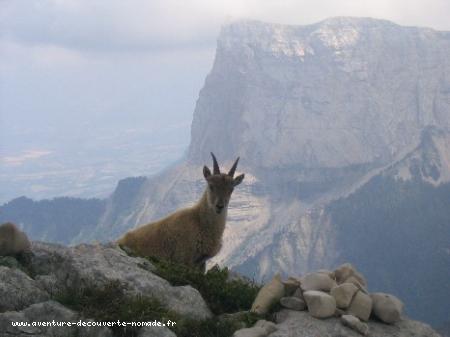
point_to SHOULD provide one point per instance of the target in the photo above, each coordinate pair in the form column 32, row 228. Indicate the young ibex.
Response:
column 12, row 240
column 189, row 236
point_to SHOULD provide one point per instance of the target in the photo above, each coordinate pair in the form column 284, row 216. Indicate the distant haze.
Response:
column 94, row 91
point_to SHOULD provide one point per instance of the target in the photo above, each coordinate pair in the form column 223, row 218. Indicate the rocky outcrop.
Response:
column 47, row 312
column 18, row 290
column 60, row 268
column 56, row 271
column 32, row 292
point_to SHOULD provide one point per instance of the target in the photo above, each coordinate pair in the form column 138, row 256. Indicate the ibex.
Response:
column 12, row 240
column 192, row 235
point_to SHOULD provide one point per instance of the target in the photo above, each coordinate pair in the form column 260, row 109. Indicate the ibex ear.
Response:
column 206, row 172
column 238, row 179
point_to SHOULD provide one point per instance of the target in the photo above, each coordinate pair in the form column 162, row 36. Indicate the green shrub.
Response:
column 19, row 261
column 220, row 293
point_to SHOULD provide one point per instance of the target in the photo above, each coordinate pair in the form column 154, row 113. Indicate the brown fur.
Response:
column 12, row 240
column 192, row 235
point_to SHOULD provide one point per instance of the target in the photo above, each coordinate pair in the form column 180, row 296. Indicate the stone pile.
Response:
column 324, row 294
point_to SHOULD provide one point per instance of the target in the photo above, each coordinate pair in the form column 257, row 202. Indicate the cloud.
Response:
column 22, row 158
column 111, row 24
column 118, row 25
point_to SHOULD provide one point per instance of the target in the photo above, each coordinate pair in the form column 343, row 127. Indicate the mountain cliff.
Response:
column 345, row 91
column 343, row 128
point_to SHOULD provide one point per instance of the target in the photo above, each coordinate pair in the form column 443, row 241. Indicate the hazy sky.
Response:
column 80, row 68
column 65, row 62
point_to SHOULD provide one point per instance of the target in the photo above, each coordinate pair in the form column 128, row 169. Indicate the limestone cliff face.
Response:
column 344, row 91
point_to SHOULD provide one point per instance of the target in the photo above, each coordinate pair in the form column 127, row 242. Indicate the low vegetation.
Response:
column 223, row 293
column 111, row 303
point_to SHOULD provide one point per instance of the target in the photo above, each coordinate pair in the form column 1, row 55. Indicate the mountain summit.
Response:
column 344, row 91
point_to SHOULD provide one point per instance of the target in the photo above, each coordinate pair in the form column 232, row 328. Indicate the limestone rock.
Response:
column 361, row 306
column 317, row 281
column 301, row 324
column 339, row 312
column 354, row 323
column 386, row 307
column 343, row 294
column 266, row 325
column 251, row 332
column 18, row 290
column 298, row 293
column 345, row 271
column 47, row 312
column 268, row 295
column 320, row 304
column 293, row 303
column 291, row 285
column 354, row 280
column 156, row 331
column 96, row 265
column 328, row 272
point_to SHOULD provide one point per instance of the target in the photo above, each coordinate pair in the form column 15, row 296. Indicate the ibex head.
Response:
column 220, row 185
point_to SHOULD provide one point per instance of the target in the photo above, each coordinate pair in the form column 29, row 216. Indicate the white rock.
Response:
column 346, row 270
column 328, row 272
column 320, row 304
column 353, row 280
column 251, row 332
column 18, row 290
column 343, row 294
column 293, row 303
column 317, row 281
column 155, row 331
column 301, row 324
column 267, row 325
column 354, row 323
column 386, row 307
column 268, row 295
column 361, row 306
column 291, row 285
column 298, row 293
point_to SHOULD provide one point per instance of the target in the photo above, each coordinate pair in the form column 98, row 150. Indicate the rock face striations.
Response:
column 342, row 92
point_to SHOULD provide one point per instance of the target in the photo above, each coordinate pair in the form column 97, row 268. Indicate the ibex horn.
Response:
column 233, row 168
column 216, row 166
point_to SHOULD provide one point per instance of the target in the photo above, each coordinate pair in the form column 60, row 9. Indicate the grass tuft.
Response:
column 222, row 294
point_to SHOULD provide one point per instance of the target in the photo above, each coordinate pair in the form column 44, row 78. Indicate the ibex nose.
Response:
column 219, row 208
